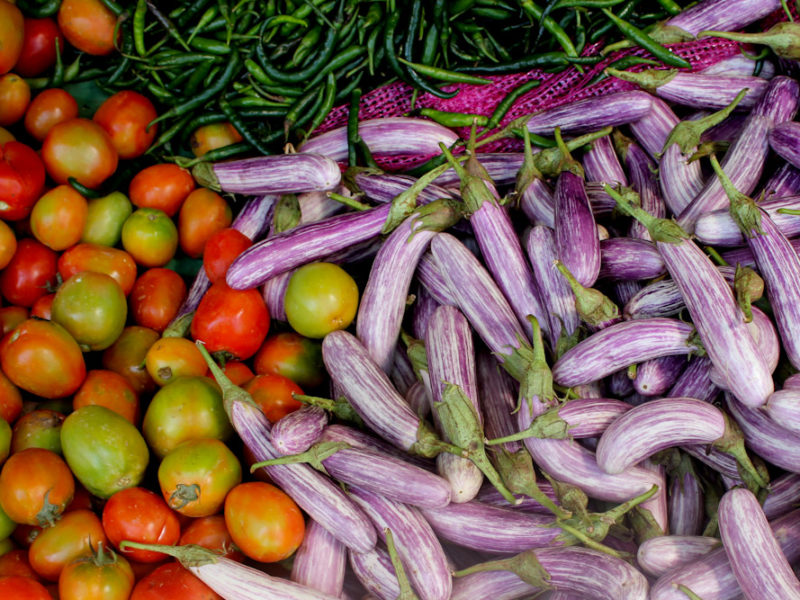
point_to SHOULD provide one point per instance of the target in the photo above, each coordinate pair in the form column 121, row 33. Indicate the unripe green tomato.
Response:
column 105, row 219
column 321, row 297
column 5, row 441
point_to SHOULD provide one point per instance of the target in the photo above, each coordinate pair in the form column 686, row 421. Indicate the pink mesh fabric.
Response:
column 555, row 89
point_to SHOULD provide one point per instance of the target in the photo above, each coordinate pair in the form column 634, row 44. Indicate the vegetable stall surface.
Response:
column 349, row 299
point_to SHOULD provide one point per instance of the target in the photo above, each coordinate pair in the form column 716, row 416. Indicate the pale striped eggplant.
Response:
column 376, row 573
column 718, row 227
column 536, row 202
column 659, row 555
column 739, row 65
column 601, row 202
column 502, row 168
column 783, row 495
column 655, row 377
column 725, row 15
column 792, row 382
column 297, row 431
column 643, row 181
column 402, row 373
column 590, row 417
column 488, row 494
column 783, row 407
column 590, row 114
column 784, row 181
column 685, row 503
column 498, row 585
column 384, row 187
column 273, row 290
column 319, row 562
column 601, row 163
column 430, row 277
column 630, row 258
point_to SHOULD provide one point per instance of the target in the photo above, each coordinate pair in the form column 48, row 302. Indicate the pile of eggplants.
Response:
column 573, row 371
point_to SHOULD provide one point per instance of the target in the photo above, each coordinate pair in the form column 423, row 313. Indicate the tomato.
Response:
column 125, row 117
column 291, row 355
column 172, row 357
column 264, row 522
column 35, row 486
column 104, row 575
column 58, row 217
column 16, row 586
column 92, row 307
column 16, row 562
column 196, row 475
column 43, row 307
column 150, row 236
column 10, row 317
column 88, row 25
column 156, row 297
column 202, row 214
column 187, row 408
column 111, row 390
column 6, row 136
column 21, row 180
column 5, row 450
column 320, row 298
column 114, row 262
column 76, row 534
column 140, row 515
column 126, row 357
column 42, row 358
column 15, row 96
column 215, row 135
column 40, row 428
column 29, row 274
column 273, row 393
column 212, row 533
column 237, row 371
column 51, row 107
column 220, row 251
column 10, row 399
column 105, row 451
column 12, row 25
column 8, row 244
column 105, row 218
column 231, row 321
column 163, row 186
column 79, row 148
column 39, row 47
column 171, row 581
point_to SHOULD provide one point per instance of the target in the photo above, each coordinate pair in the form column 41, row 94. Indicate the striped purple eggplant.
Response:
column 655, row 377
column 489, row 495
column 358, row 438
column 718, row 227
column 685, row 504
column 619, row 384
column 601, row 163
column 783, row 494
column 384, row 187
column 725, row 15
column 654, row 426
column 594, row 308
column 402, row 373
column 376, row 573
column 621, row 345
column 711, row 577
column 630, row 258
column 590, row 417
column 783, row 407
column 320, row 561
column 738, row 65
column 696, row 90
column 643, row 181
column 759, row 564
column 315, row 206
column 297, row 431
column 387, row 135
column 424, row 306
column 536, row 201
column 602, row 203
column 589, row 114
column 383, row 301
column 722, row 463
column 744, row 256
column 650, row 518
column 783, row 140
column 419, row 549
column 792, row 382
column 502, row 168
column 784, row 181
column 273, row 290
column 304, row 244
column 745, row 158
column 277, row 174
column 430, row 277
column 373, row 397
column 498, row 585
column 659, row 555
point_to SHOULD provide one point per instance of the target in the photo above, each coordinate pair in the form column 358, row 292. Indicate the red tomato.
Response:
column 30, row 273
column 172, row 357
column 171, row 581
column 58, row 217
column 220, row 251
column 232, row 321
column 16, row 586
column 79, row 148
column 273, row 393
column 203, row 213
column 109, row 389
column 10, row 317
column 39, row 47
column 235, row 370
column 43, row 307
column 101, row 259
column 36, row 486
column 15, row 96
column 264, row 522
column 212, row 533
column 15, row 562
column 12, row 26
column 50, row 107
column 75, row 534
column 21, row 180
column 10, row 400
column 125, row 116
column 126, row 357
column 156, row 297
column 140, row 515
column 8, row 244
column 163, row 186
column 103, row 575
column 42, row 358
column 88, row 25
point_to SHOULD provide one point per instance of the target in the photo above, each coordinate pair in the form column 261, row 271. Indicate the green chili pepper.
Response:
column 298, row 107
column 327, row 104
column 83, row 190
column 445, row 75
column 639, row 37
column 57, row 79
column 215, row 155
column 345, row 92
column 167, row 24
column 352, row 127
column 672, row 7
column 138, row 27
column 507, row 102
column 454, row 119
column 550, row 25
column 191, row 11
column 240, row 126
column 39, row 10
column 586, row 3
column 303, row 75
column 210, row 45
column 306, row 45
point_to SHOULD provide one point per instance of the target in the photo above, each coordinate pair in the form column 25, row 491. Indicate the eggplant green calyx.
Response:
column 438, row 215
column 190, row 555
column 687, row 133
column 230, row 391
column 528, row 171
column 743, row 208
column 516, row 469
column 622, row 143
column 474, row 188
column 204, row 175
column 525, row 565
column 782, row 38
column 406, row 591
column 732, row 442
column 429, row 444
column 567, row 162
column 547, row 425
column 314, row 456
column 528, row 365
column 749, row 287
column 339, row 407
column 593, row 306
column 649, row 79
column 661, row 230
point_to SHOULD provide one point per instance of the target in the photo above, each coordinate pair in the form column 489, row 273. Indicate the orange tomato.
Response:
column 273, row 394
column 107, row 388
column 50, row 107
column 210, row 137
column 164, row 186
column 36, row 486
column 114, row 262
column 203, row 213
column 125, row 117
column 77, row 533
column 79, row 148
column 43, row 307
column 156, row 297
column 15, row 95
column 8, row 244
column 88, row 25
column 172, row 357
column 12, row 26
column 10, row 399
column 126, row 357
column 211, row 532
column 58, row 217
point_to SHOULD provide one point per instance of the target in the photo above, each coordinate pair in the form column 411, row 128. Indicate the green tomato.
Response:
column 105, row 218
column 5, row 440
column 320, row 298
column 7, row 526
column 40, row 428
column 188, row 408
column 92, row 307
column 105, row 452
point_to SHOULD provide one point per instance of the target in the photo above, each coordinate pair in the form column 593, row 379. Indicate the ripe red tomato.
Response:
column 43, row 307
column 15, row 96
column 15, row 562
column 30, row 273
column 10, row 317
column 11, row 32
column 170, row 581
column 8, row 244
column 156, row 297
column 75, row 534
column 36, row 486
column 164, row 186
column 124, row 117
column 88, row 25
column 273, row 393
column 212, row 533
column 235, row 370
column 220, row 251
column 140, row 515
column 21, row 180
column 42, row 358
column 232, row 321
column 17, row 586
column 39, row 47
column 10, row 400
column 202, row 214
column 264, row 522
column 79, row 148
column 50, row 107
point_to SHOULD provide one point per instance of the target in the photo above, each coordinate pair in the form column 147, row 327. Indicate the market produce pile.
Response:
column 445, row 300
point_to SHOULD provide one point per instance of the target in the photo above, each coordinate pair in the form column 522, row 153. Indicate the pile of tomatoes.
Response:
column 109, row 429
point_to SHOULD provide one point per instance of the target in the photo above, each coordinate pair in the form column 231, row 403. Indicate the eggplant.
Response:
column 785, row 181
column 601, row 163
column 718, row 227
column 376, row 573
column 783, row 494
column 502, row 168
column 643, row 181
column 319, row 562
column 536, row 201
column 659, row 555
column 590, row 417
column 655, row 377
column 630, row 258
column 430, row 277
column 273, row 290
column 725, row 15
column 385, row 187
column 590, row 114
column 738, row 65
column 297, row 431
column 783, row 407
column 686, row 500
